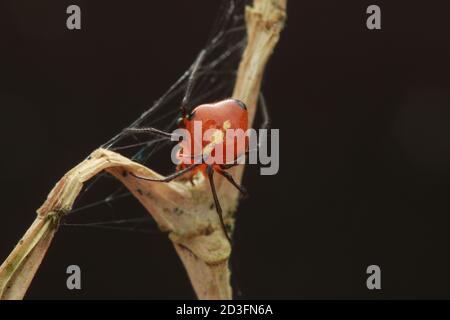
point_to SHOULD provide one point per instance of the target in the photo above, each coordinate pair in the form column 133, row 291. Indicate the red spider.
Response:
column 219, row 116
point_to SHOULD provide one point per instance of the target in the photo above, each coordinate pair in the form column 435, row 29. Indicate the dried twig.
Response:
column 182, row 209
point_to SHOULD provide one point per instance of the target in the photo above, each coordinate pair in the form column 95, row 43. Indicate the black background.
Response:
column 365, row 155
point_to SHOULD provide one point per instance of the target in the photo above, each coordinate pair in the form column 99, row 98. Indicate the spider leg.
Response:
column 191, row 82
column 210, row 172
column 230, row 178
column 153, row 131
column 228, row 165
column 235, row 163
column 169, row 177
column 264, row 112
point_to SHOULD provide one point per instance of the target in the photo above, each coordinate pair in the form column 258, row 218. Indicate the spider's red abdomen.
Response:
column 217, row 114
column 220, row 117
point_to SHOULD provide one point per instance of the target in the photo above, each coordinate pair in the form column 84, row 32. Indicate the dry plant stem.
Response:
column 180, row 208
column 265, row 20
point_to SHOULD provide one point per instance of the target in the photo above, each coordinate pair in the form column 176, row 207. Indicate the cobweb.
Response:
column 214, row 81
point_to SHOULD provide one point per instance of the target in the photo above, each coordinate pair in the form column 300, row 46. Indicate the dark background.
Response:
column 365, row 155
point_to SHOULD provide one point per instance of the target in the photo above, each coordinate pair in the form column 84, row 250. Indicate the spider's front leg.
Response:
column 152, row 131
